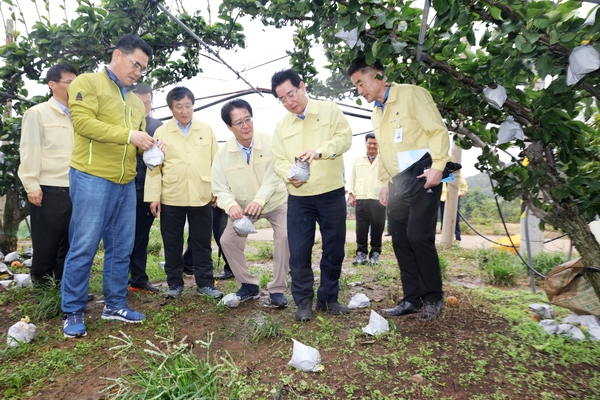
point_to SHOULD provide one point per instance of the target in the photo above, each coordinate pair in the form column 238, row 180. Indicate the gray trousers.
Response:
column 233, row 246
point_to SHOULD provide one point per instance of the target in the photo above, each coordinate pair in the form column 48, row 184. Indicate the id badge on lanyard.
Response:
column 398, row 132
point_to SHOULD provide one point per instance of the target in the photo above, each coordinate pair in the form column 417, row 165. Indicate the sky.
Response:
column 263, row 44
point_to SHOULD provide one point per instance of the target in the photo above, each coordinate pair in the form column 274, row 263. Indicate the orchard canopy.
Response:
column 524, row 46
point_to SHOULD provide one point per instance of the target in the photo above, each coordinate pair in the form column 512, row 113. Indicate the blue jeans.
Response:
column 304, row 212
column 101, row 210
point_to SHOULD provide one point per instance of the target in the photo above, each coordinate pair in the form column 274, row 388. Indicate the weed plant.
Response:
column 500, row 267
column 263, row 327
column 173, row 373
column 443, row 265
column 544, row 262
column 47, row 299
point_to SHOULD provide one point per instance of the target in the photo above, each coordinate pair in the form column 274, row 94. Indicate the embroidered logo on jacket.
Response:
column 79, row 97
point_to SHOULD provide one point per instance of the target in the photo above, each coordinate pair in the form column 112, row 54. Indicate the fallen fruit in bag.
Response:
column 16, row 264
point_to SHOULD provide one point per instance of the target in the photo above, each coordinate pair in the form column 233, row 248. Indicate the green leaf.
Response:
column 541, row 22
column 567, row 38
column 544, row 65
column 471, row 38
column 353, row 6
column 531, row 37
column 375, row 48
column 496, row 13
column 560, row 192
column 441, row 6
column 398, row 46
column 389, row 22
column 380, row 17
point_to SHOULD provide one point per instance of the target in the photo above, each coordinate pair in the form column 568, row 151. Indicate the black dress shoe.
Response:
column 334, row 307
column 403, row 308
column 226, row 274
column 304, row 312
column 431, row 310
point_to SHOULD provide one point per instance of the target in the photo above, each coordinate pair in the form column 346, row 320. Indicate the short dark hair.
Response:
column 236, row 103
column 280, row 77
column 130, row 42
column 142, row 88
column 55, row 72
column 179, row 93
column 360, row 64
column 369, row 135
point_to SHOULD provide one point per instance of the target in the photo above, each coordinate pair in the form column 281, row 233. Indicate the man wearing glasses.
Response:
column 45, row 148
column 316, row 132
column 244, row 182
column 109, row 124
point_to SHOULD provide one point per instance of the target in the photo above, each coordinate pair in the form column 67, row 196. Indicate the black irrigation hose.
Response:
column 509, row 237
column 481, row 234
column 498, row 243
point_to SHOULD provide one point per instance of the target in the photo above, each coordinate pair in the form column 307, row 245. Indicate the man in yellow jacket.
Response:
column 244, row 182
column 181, row 188
column 316, row 132
column 464, row 187
column 45, row 150
column 413, row 146
column 363, row 195
column 109, row 128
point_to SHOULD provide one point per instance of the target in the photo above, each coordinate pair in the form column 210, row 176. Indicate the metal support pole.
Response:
column 529, row 256
column 422, row 30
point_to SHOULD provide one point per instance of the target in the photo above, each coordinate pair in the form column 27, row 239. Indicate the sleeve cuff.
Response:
column 439, row 165
column 129, row 137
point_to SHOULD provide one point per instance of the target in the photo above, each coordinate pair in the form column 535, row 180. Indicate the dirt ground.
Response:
column 469, row 352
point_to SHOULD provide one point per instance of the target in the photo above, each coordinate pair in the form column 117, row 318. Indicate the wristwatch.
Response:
column 319, row 154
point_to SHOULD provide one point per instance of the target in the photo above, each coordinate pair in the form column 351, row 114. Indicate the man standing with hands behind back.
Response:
column 363, row 194
column 109, row 123
column 45, row 149
column 317, row 132
column 413, row 146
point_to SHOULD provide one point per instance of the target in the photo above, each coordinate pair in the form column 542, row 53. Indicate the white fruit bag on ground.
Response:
column 306, row 358
column 359, row 300
column 377, row 325
column 21, row 332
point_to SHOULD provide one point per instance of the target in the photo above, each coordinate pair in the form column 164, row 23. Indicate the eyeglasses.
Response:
column 137, row 66
column 247, row 121
column 65, row 82
column 290, row 96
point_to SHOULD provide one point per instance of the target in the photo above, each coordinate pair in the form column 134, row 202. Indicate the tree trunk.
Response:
column 13, row 215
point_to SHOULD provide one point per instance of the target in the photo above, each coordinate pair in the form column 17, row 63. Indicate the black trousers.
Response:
column 304, row 212
column 219, row 223
column 412, row 226
column 172, row 223
column 137, row 264
column 50, row 234
column 369, row 214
